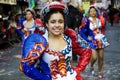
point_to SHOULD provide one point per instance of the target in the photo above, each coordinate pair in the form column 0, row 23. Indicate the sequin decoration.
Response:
column 59, row 66
column 34, row 53
column 62, row 65
column 54, row 69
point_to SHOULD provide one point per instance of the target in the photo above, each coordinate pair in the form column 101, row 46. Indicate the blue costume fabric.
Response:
column 93, row 30
column 85, row 31
column 38, row 69
column 20, row 23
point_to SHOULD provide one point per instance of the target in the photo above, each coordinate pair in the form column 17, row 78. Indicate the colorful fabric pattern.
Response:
column 83, row 43
column 50, row 64
column 101, row 40
column 31, row 55
column 93, row 30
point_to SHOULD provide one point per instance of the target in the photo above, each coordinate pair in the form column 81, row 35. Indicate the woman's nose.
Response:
column 57, row 24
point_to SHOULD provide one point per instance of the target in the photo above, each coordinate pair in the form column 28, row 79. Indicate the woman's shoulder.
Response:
column 70, row 32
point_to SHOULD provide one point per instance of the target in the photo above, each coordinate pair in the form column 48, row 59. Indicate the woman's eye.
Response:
column 52, row 22
column 61, row 21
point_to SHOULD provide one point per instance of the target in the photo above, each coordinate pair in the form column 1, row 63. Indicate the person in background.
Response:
column 31, row 24
column 52, row 51
column 99, row 40
column 91, row 31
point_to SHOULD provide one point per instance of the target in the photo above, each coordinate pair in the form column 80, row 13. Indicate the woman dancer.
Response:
column 48, row 56
column 31, row 24
column 91, row 31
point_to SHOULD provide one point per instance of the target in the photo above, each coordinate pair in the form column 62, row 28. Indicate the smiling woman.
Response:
column 48, row 56
column 55, row 24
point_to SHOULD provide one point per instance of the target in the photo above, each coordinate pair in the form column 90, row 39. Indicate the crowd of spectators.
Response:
column 8, row 31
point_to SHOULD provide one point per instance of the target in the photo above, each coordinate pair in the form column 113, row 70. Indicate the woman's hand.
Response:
column 90, row 38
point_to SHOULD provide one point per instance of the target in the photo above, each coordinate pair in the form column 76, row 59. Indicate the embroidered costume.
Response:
column 85, row 32
column 93, row 30
column 37, row 26
column 39, row 62
column 101, row 40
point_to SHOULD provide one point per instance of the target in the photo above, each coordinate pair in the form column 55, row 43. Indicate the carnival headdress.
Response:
column 31, row 10
column 54, row 6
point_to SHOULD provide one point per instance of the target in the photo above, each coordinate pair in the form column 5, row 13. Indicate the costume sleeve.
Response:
column 20, row 27
column 90, row 33
column 32, row 72
column 33, row 49
column 102, row 20
column 20, row 32
column 84, row 54
column 83, row 34
column 85, row 31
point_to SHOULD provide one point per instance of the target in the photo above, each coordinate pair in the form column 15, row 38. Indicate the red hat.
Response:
column 54, row 6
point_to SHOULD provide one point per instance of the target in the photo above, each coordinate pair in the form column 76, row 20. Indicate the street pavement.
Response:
column 10, row 58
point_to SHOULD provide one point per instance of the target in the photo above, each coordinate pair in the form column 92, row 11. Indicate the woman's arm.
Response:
column 84, row 54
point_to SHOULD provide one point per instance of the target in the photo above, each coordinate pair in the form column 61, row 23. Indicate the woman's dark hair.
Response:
column 48, row 15
column 91, row 8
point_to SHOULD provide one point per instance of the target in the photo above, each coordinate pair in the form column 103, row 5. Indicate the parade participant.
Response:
column 91, row 31
column 48, row 56
column 31, row 24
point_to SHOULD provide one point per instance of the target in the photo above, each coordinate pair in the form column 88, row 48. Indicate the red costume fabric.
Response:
column 84, row 54
column 102, row 20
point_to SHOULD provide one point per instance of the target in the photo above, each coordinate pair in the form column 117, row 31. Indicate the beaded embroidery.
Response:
column 59, row 66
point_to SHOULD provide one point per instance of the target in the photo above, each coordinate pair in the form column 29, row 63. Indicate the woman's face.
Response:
column 55, row 24
column 29, row 15
column 93, row 12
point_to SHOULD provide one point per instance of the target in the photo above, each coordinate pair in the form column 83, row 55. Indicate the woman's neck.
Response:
column 57, row 43
column 30, row 20
column 29, row 23
column 55, row 37
column 93, row 19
